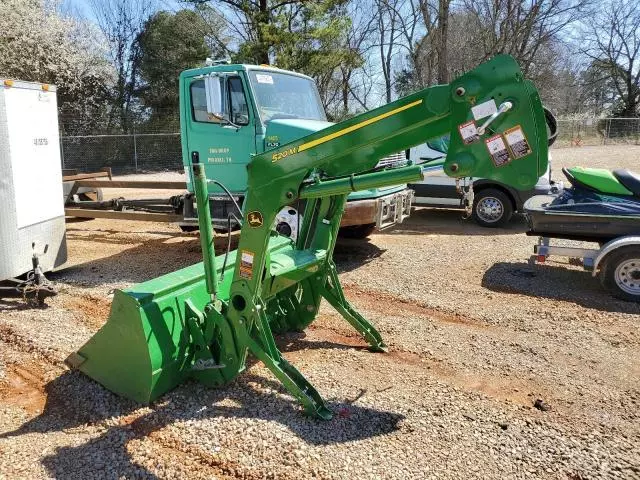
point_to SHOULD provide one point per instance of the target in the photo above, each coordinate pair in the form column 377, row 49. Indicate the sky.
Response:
column 82, row 8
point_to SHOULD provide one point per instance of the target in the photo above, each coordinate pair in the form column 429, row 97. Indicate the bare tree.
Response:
column 397, row 25
column 612, row 42
column 121, row 21
column 435, row 17
column 459, row 36
column 522, row 27
column 363, row 24
column 428, row 57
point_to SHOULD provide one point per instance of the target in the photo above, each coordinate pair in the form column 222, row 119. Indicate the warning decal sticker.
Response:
column 517, row 142
column 498, row 150
column 468, row 132
column 246, row 264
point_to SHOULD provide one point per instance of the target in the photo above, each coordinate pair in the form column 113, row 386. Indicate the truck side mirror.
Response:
column 213, row 92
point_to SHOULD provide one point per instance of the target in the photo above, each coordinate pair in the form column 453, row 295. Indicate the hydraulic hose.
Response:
column 552, row 123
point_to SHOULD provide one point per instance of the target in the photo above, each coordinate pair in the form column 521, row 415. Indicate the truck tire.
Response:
column 492, row 208
column 357, row 231
column 620, row 274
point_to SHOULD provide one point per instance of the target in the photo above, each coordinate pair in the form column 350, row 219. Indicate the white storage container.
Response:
column 31, row 202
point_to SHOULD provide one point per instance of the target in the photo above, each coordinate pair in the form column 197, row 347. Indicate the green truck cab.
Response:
column 230, row 112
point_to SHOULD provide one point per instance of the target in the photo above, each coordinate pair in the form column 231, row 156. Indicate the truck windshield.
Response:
column 279, row 95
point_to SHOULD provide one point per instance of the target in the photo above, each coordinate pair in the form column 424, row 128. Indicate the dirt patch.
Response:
column 9, row 336
column 185, row 462
column 93, row 311
column 333, row 336
column 188, row 453
column 402, row 356
column 510, row 389
column 23, row 386
column 168, row 449
column 387, row 304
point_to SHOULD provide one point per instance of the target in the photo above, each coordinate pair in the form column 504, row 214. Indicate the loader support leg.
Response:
column 263, row 346
column 333, row 293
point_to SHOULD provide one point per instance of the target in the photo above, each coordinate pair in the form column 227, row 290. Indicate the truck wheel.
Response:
column 492, row 208
column 620, row 274
column 357, row 231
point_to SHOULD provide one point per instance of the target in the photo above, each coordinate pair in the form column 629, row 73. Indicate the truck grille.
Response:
column 392, row 161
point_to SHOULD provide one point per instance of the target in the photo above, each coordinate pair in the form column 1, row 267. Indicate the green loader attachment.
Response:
column 202, row 321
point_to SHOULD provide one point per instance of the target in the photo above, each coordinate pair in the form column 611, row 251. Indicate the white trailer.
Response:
column 616, row 262
column 32, row 220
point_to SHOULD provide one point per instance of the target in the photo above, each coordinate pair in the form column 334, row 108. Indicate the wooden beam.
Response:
column 84, row 176
column 141, row 184
column 116, row 215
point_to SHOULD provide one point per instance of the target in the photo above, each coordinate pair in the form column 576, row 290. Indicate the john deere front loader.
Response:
column 202, row 321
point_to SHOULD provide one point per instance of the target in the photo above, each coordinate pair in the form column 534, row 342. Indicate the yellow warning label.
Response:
column 517, row 142
column 246, row 264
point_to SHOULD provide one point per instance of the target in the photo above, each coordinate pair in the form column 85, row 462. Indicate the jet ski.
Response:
column 599, row 206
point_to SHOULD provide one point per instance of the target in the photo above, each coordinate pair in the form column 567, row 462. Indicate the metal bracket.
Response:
column 504, row 107
column 393, row 209
column 467, row 195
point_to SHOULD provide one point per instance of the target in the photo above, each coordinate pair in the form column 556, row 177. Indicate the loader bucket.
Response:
column 145, row 348
column 142, row 350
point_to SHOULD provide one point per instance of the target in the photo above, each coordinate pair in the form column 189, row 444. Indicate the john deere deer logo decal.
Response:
column 255, row 219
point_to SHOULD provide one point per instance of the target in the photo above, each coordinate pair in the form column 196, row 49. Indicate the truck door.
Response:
column 226, row 140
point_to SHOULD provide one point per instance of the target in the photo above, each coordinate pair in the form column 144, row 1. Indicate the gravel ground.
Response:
column 609, row 156
column 476, row 339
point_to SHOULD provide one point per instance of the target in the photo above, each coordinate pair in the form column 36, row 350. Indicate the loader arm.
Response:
column 201, row 322
column 327, row 165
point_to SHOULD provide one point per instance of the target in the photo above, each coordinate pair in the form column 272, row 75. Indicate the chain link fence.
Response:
column 130, row 153
column 129, row 144
column 598, row 131
column 154, row 145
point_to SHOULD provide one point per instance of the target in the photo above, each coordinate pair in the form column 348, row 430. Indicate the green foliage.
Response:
column 407, row 82
column 169, row 43
column 312, row 39
column 303, row 36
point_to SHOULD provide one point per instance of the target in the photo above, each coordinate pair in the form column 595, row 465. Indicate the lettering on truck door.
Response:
column 224, row 140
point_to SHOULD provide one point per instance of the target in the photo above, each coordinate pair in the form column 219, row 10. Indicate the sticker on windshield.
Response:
column 484, row 109
column 263, row 78
column 468, row 132
column 498, row 150
column 517, row 142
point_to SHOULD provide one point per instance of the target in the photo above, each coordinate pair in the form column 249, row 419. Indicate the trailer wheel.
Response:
column 620, row 274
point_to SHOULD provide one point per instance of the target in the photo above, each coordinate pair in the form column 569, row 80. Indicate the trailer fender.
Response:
column 614, row 245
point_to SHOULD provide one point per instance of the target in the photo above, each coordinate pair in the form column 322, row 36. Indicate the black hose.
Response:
column 552, row 123
column 226, row 254
column 221, row 185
